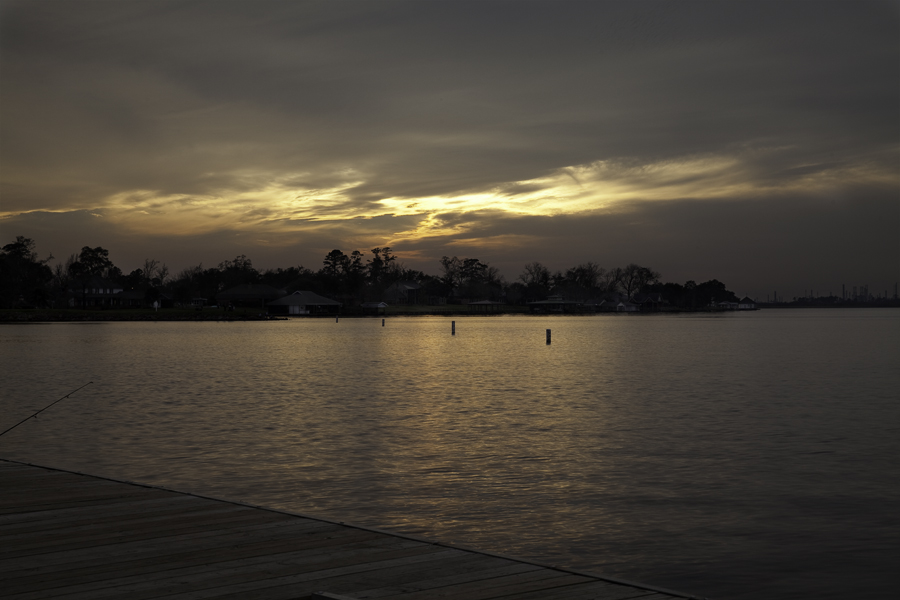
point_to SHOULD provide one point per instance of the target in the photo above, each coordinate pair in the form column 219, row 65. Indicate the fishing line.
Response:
column 45, row 408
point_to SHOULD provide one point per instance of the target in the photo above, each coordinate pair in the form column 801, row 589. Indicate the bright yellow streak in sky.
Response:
column 279, row 206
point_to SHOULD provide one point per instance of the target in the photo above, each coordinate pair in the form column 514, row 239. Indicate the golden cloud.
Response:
column 277, row 203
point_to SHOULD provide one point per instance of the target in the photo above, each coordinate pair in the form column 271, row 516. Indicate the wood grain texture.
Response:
column 71, row 535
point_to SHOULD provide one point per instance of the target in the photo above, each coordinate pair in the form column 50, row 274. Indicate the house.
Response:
column 403, row 292
column 249, row 294
column 304, row 303
column 593, row 304
column 727, row 305
column 746, row 303
column 554, row 304
column 485, row 306
column 94, row 291
column 374, row 307
column 649, row 302
column 131, row 298
column 610, row 302
column 627, row 306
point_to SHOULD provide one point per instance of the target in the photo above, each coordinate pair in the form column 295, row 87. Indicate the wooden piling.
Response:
column 452, row 327
column 548, row 337
column 382, row 322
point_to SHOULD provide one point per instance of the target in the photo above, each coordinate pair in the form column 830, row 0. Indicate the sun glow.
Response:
column 270, row 203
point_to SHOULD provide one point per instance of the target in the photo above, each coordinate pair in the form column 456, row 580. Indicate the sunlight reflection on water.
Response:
column 695, row 452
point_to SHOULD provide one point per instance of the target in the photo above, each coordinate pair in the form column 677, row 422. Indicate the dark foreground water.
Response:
column 744, row 455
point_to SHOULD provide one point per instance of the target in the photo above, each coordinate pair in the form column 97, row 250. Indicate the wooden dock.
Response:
column 71, row 535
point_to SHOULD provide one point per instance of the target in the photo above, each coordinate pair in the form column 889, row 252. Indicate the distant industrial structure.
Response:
column 857, row 295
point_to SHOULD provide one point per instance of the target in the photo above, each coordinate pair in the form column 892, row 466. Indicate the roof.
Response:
column 747, row 300
column 304, row 298
column 641, row 298
column 405, row 285
column 251, row 291
column 132, row 294
column 95, row 281
column 555, row 300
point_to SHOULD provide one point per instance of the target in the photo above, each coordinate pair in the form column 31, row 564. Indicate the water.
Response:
column 731, row 456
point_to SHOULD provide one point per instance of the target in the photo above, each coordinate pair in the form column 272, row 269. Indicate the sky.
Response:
column 753, row 142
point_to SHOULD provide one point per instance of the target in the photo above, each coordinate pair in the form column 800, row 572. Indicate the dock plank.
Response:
column 484, row 570
column 222, row 558
column 134, row 549
column 147, row 581
column 75, row 536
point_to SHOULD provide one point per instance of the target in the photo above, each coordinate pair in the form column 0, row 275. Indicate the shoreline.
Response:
column 149, row 315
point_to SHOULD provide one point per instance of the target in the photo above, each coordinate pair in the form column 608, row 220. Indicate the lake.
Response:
column 729, row 455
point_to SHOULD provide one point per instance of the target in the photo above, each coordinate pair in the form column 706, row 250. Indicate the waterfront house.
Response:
column 554, row 304
column 593, row 304
column 403, row 292
column 649, row 302
column 746, row 303
column 627, row 306
column 249, row 294
column 94, row 291
column 304, row 303
column 374, row 307
column 485, row 306
column 131, row 298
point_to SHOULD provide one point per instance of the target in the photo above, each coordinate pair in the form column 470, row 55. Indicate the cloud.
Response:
column 428, row 123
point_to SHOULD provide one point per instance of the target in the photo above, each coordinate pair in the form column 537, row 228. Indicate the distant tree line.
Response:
column 26, row 280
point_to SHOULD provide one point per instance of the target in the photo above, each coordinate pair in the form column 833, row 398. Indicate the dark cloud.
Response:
column 755, row 245
column 788, row 244
column 179, row 103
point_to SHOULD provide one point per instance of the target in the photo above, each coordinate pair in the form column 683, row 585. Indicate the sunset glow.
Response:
column 306, row 131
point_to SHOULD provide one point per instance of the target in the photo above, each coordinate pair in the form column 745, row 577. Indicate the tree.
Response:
column 379, row 265
column 355, row 275
column 635, row 277
column 472, row 270
column 154, row 273
column 712, row 291
column 21, row 249
column 355, row 267
column 469, row 277
column 237, row 272
column 492, row 275
column 94, row 261
column 452, row 272
column 609, row 280
column 586, row 275
column 149, row 269
column 336, row 263
column 535, row 274
column 133, row 280
column 537, row 279
column 23, row 277
column 515, row 292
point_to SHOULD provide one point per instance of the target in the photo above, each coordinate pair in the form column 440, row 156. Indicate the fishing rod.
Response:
column 45, row 408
